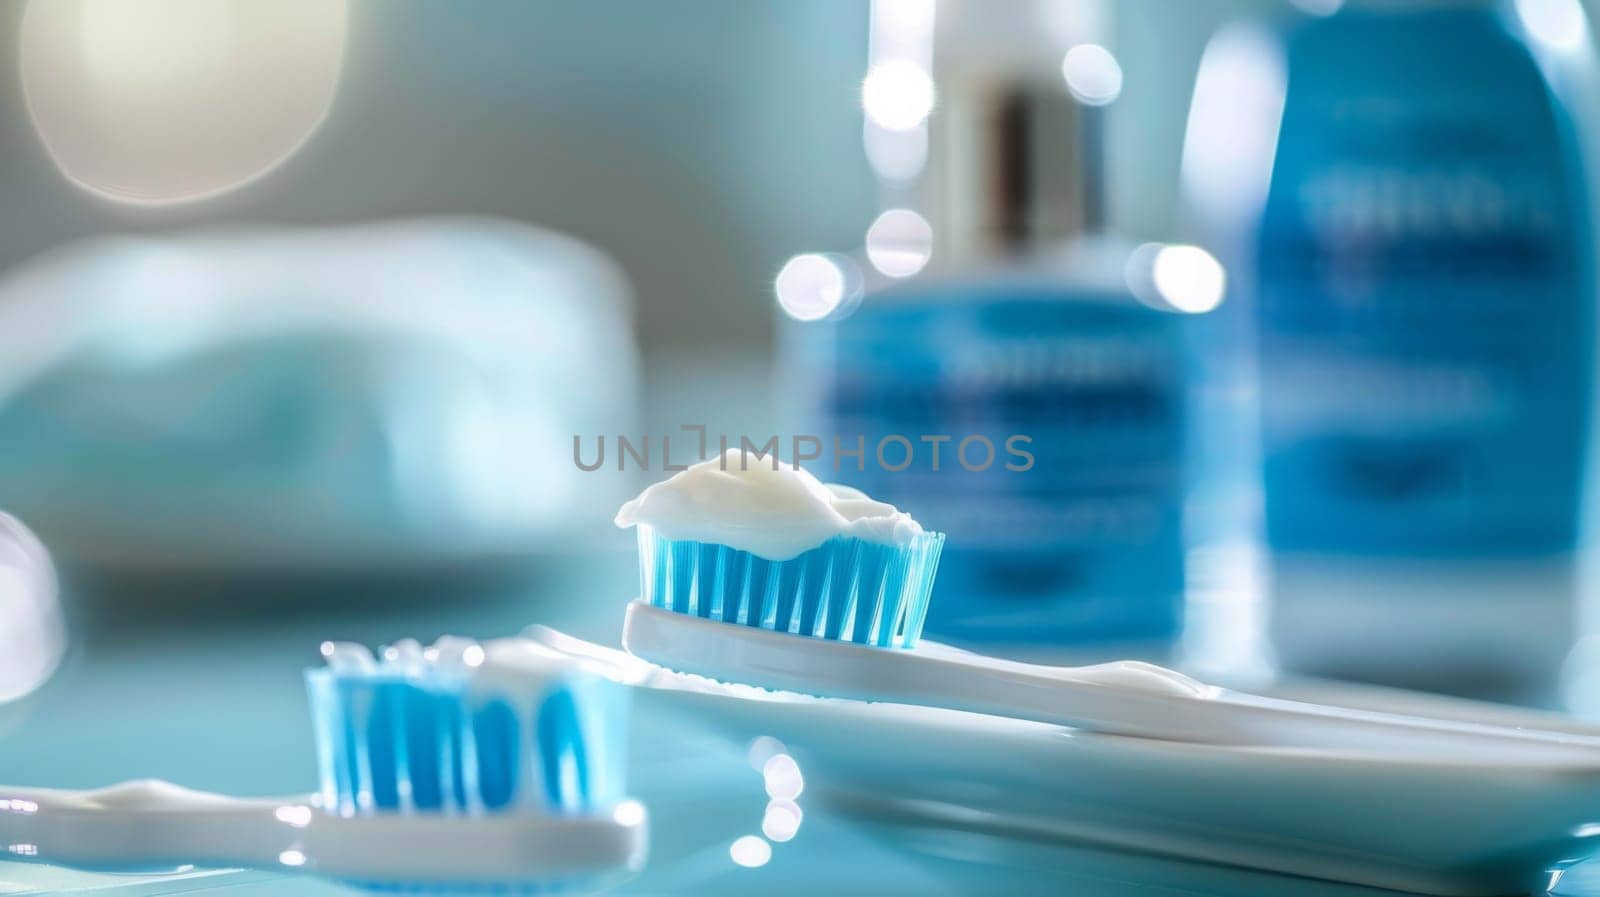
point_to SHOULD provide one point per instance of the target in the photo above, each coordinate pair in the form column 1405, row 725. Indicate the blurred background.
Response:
column 699, row 145
column 312, row 314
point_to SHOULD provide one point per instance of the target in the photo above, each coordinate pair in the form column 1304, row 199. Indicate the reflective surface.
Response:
column 205, row 689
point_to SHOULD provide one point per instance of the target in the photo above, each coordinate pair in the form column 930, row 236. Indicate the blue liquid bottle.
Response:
column 1421, row 311
column 1026, row 349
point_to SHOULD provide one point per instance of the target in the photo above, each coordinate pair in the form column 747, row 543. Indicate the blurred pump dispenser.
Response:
column 1053, row 395
column 1403, row 187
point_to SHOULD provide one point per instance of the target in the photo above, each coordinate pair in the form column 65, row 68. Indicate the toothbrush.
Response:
column 457, row 766
column 831, row 658
column 843, row 619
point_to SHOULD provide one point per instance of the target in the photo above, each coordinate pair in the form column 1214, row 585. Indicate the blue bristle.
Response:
column 494, row 735
column 566, row 764
column 766, row 604
column 845, row 589
column 423, row 739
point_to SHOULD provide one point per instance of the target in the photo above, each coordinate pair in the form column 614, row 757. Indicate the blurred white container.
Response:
column 397, row 394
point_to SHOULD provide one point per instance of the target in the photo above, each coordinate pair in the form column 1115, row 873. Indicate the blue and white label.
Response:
column 1082, row 539
column 1425, row 306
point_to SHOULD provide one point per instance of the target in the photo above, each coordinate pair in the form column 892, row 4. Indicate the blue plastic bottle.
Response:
column 1079, row 540
column 1423, row 332
column 1027, row 338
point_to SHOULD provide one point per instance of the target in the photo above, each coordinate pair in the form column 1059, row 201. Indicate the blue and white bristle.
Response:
column 846, row 589
column 465, row 728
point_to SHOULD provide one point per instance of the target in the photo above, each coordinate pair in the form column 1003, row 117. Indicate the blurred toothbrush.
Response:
column 754, row 572
column 457, row 766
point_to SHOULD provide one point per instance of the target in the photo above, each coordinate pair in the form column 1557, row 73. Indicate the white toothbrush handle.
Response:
column 151, row 825
column 1153, row 702
column 147, row 825
column 1125, row 699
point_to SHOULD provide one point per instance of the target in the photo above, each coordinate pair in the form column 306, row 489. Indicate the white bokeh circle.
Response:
column 160, row 101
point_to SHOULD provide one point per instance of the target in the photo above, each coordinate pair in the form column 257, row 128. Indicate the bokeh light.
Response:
column 159, row 101
column 750, row 852
column 783, row 778
column 763, row 748
column 1559, row 24
column 813, row 286
column 897, row 95
column 1093, row 75
column 899, row 243
column 781, row 821
column 32, row 632
column 1188, row 278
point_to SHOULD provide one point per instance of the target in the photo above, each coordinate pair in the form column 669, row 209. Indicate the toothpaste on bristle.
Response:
column 770, row 508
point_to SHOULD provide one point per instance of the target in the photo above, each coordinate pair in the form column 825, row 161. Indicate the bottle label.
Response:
column 1084, row 542
column 1425, row 305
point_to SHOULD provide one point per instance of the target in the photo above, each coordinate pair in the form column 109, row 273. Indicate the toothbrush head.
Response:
column 846, row 589
column 466, row 728
column 466, row 766
column 461, row 767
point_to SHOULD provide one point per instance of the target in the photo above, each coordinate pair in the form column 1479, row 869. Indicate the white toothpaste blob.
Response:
column 739, row 500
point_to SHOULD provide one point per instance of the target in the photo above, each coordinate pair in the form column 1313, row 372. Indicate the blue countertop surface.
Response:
column 201, row 685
